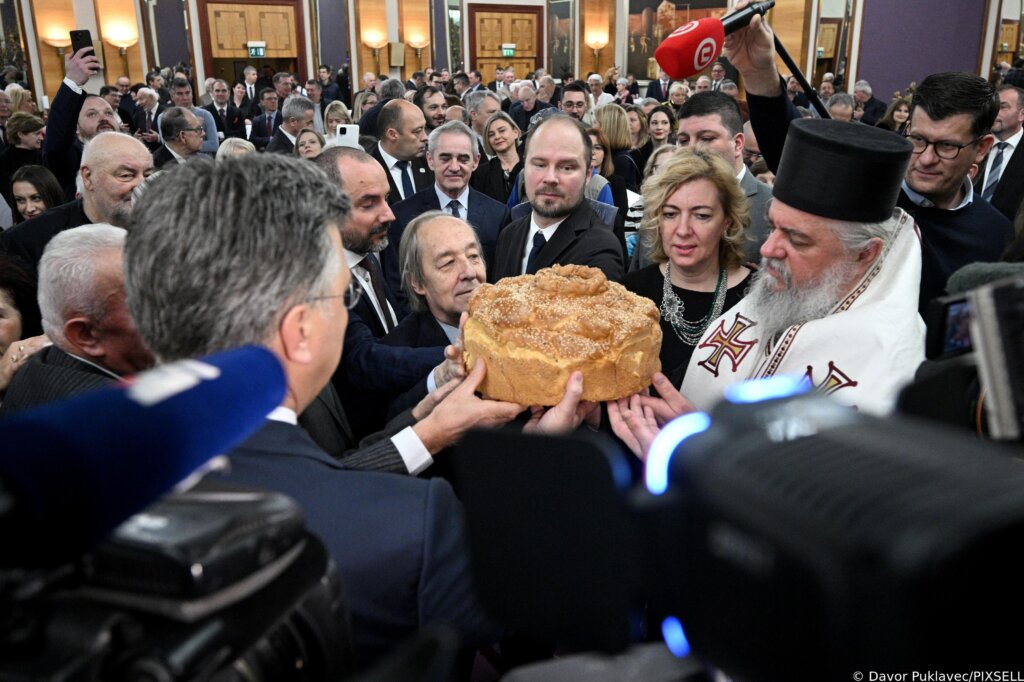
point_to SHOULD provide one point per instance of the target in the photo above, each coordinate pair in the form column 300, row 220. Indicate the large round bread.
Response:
column 533, row 331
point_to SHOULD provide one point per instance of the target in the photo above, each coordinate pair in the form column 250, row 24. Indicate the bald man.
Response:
column 402, row 135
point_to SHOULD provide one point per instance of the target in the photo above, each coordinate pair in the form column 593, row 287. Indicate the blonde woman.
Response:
column 613, row 122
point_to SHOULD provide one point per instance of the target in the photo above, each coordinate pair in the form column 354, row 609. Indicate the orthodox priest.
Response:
column 835, row 300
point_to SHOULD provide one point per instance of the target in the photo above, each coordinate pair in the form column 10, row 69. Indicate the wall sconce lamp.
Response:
column 419, row 44
column 62, row 43
column 122, row 44
column 376, row 42
column 597, row 43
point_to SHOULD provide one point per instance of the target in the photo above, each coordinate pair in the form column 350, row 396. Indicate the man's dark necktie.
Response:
column 149, row 121
column 995, row 172
column 370, row 264
column 407, row 188
column 223, row 117
column 538, row 243
column 453, row 206
column 270, row 125
column 251, row 94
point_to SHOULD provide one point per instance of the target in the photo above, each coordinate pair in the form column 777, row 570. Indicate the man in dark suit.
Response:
column 75, row 118
column 402, row 143
column 229, row 118
column 398, row 542
column 869, row 109
column 328, row 86
column 266, row 124
column 1001, row 179
column 144, row 118
column 527, row 106
column 251, row 104
column 183, row 138
column 658, row 89
column 562, row 229
column 92, row 345
column 452, row 155
column 296, row 114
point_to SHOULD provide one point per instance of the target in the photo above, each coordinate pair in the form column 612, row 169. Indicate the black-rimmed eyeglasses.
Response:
column 944, row 149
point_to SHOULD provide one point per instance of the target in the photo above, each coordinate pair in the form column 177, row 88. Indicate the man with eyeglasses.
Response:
column 181, row 96
column 574, row 100
column 951, row 118
column 183, row 138
column 398, row 542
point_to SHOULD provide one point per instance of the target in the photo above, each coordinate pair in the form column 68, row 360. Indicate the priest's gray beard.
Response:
column 774, row 311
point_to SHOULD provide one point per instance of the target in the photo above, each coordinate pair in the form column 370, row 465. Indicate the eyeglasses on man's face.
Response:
column 944, row 149
column 351, row 296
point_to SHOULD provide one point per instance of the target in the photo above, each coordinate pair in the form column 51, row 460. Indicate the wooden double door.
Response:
column 492, row 25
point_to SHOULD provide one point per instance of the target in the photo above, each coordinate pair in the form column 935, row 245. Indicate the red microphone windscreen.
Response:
column 691, row 48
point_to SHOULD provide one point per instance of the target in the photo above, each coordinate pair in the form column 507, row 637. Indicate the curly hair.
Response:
column 688, row 166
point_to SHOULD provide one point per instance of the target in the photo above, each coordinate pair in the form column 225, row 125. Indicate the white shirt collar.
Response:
column 923, row 202
column 177, row 157
column 743, row 171
column 284, row 414
column 1014, row 140
column 451, row 332
column 388, row 159
column 353, row 259
column 93, row 364
column 444, row 199
column 291, row 138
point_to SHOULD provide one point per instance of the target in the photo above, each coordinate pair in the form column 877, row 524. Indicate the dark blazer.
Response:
column 48, row 376
column 162, row 157
column 258, row 135
column 1010, row 190
column 399, row 542
column 250, row 108
column 874, row 111
column 489, row 178
column 62, row 151
column 418, row 330
column 486, row 215
column 280, row 144
column 139, row 123
column 235, row 120
column 26, row 241
column 522, row 117
column 655, row 90
column 422, row 176
column 582, row 239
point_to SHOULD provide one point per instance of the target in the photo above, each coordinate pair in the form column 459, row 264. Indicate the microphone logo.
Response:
column 705, row 54
column 684, row 29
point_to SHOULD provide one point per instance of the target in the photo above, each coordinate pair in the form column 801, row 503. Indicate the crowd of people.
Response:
column 150, row 225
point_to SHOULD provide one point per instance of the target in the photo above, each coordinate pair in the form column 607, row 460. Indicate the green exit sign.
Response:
column 258, row 51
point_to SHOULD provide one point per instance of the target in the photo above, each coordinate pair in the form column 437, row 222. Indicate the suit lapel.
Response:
column 563, row 238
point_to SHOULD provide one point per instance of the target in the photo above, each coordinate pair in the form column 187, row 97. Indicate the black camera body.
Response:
column 218, row 583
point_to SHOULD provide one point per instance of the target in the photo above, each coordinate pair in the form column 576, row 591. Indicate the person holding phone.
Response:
column 75, row 116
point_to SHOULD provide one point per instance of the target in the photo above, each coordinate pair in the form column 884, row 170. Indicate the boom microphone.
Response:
column 691, row 48
column 78, row 468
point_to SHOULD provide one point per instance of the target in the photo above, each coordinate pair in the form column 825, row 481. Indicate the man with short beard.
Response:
column 836, row 297
column 75, row 118
column 561, row 229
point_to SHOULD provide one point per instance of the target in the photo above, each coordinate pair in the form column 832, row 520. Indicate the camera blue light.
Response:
column 674, row 433
column 675, row 638
column 759, row 390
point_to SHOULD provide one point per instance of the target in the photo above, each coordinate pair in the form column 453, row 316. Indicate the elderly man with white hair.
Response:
column 869, row 109
column 82, row 301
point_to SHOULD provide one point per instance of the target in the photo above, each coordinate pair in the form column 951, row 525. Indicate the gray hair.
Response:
column 622, row 81
column 218, row 269
column 234, row 146
column 855, row 236
column 862, row 86
column 452, row 127
column 841, row 99
column 148, row 92
column 70, row 280
column 173, row 122
column 392, row 88
column 409, row 257
column 296, row 107
column 475, row 100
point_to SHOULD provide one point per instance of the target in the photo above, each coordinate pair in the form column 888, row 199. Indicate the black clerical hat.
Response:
column 841, row 170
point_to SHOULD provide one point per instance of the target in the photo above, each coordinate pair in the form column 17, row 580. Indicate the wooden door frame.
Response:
column 300, row 34
column 536, row 10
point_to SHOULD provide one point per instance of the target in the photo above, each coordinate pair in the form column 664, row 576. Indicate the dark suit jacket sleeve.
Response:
column 607, row 255
column 770, row 117
column 58, row 145
column 374, row 366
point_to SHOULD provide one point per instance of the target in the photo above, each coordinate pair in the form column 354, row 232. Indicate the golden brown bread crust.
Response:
column 533, row 331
